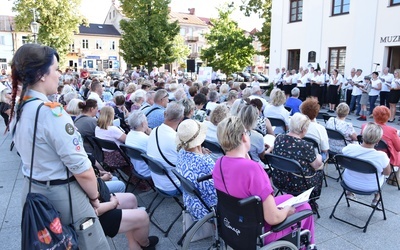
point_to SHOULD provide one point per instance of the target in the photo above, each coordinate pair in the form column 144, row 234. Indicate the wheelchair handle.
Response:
column 204, row 178
column 249, row 200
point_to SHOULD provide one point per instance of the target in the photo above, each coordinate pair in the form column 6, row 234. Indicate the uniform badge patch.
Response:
column 69, row 128
column 75, row 141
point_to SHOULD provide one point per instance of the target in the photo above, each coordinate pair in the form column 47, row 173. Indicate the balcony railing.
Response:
column 192, row 39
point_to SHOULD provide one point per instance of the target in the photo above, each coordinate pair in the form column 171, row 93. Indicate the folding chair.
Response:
column 284, row 164
column 326, row 117
column 214, row 147
column 338, row 136
column 135, row 153
column 157, row 168
column 241, row 223
column 382, row 146
column 317, row 150
column 363, row 167
column 110, row 145
column 190, row 189
column 278, row 123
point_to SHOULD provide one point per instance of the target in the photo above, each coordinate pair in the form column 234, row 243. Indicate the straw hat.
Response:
column 190, row 134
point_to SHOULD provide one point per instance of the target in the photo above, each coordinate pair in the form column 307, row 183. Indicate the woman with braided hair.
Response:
column 58, row 146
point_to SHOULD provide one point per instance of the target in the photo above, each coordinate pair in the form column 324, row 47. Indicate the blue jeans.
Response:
column 355, row 100
column 372, row 100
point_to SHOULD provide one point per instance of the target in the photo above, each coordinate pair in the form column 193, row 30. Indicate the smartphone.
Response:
column 86, row 224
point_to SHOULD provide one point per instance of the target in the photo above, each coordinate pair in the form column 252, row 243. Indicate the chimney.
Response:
column 192, row 11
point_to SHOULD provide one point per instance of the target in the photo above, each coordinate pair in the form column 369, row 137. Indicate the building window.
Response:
column 109, row 16
column 25, row 40
column 2, row 42
column 293, row 59
column 340, row 7
column 85, row 44
column 190, row 47
column 312, row 56
column 112, row 45
column 183, row 32
column 394, row 2
column 72, row 48
column 113, row 13
column 296, row 10
column 99, row 44
column 337, row 59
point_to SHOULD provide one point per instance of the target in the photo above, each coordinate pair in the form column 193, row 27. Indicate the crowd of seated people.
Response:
column 157, row 116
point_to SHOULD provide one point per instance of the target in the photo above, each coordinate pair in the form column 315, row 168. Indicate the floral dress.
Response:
column 303, row 152
column 191, row 166
column 345, row 128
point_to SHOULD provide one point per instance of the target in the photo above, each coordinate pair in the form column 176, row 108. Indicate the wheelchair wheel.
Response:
column 280, row 245
column 207, row 243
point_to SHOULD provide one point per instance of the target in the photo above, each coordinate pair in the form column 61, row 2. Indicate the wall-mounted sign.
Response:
column 112, row 58
column 390, row 39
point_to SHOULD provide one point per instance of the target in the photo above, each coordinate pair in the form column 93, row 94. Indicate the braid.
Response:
column 14, row 84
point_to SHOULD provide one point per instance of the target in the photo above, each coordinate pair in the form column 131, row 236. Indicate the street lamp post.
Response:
column 34, row 27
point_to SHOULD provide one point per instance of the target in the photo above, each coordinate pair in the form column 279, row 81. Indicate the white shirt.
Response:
column 374, row 84
column 339, row 80
column 356, row 90
column 386, row 82
column 138, row 139
column 277, row 78
column 303, row 80
column 365, row 182
column 255, row 83
column 295, row 77
column 166, row 139
column 319, row 134
column 265, row 103
column 95, row 96
column 211, row 105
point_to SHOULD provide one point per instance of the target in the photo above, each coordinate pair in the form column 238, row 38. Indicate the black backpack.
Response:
column 42, row 228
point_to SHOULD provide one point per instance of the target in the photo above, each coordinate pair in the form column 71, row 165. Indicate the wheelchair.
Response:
column 240, row 225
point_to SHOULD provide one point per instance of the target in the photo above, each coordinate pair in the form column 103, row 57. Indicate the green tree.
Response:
column 229, row 49
column 58, row 20
column 180, row 50
column 148, row 33
column 263, row 9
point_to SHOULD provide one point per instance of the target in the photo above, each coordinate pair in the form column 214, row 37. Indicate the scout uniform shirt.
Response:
column 58, row 144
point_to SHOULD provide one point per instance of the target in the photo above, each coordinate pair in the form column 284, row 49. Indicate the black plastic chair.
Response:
column 241, row 221
column 135, row 153
column 110, row 145
column 326, row 117
column 338, row 136
column 317, row 150
column 157, row 168
column 284, row 164
column 362, row 167
column 214, row 147
column 277, row 122
column 382, row 146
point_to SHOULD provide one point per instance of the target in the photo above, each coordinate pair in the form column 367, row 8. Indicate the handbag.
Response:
column 103, row 190
column 41, row 227
column 205, row 231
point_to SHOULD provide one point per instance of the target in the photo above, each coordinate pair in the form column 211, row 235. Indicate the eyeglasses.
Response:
column 247, row 132
column 165, row 96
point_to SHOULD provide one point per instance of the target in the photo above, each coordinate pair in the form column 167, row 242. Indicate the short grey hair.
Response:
column 174, row 111
column 150, row 94
column 295, row 92
column 180, row 94
column 298, row 123
column 372, row 133
column 188, row 105
column 249, row 115
column 136, row 119
column 213, row 96
column 224, row 88
column 73, row 107
column 69, row 96
column 246, row 93
column 137, row 95
column 255, row 89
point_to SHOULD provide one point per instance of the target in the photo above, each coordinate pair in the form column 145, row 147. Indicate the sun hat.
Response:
column 190, row 134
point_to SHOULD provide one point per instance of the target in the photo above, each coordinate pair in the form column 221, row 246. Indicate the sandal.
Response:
column 376, row 204
column 391, row 181
column 351, row 196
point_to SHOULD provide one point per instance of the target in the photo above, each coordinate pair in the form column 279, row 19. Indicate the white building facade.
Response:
column 340, row 34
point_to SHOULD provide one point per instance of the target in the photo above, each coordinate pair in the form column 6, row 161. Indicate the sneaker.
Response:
column 153, row 241
column 312, row 247
column 362, row 118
